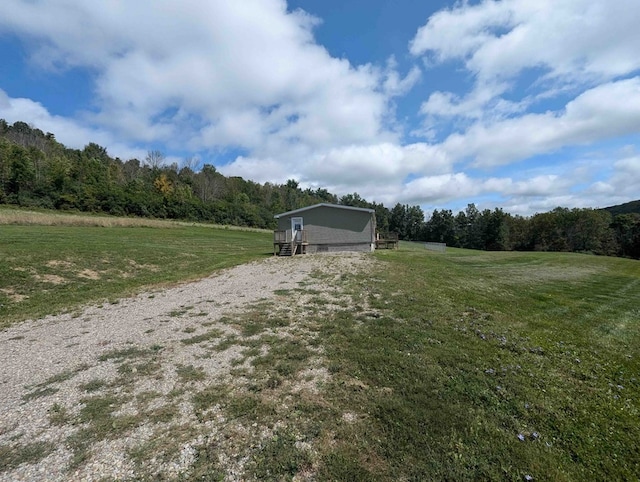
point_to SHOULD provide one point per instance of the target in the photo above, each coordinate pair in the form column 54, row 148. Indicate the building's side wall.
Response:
column 333, row 229
column 334, row 248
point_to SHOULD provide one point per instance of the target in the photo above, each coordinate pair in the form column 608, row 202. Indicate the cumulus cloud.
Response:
column 498, row 39
column 441, row 188
column 446, row 187
column 394, row 85
column 606, row 184
column 209, row 76
column 621, row 186
column 225, row 67
column 607, row 111
column 566, row 46
column 376, row 171
column 67, row 131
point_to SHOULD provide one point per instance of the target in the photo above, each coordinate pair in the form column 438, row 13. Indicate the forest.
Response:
column 38, row 171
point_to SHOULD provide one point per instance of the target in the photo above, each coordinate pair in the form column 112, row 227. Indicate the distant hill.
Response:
column 626, row 208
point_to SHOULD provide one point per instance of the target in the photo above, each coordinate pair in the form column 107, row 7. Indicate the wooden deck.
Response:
column 288, row 243
column 387, row 241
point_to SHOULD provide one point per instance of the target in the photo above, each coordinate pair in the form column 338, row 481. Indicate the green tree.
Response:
column 5, row 166
column 461, row 225
column 441, row 228
column 21, row 173
column 415, row 222
column 589, row 230
column 382, row 217
column 398, row 220
column 495, row 230
column 519, row 233
column 354, row 200
column 209, row 184
column 626, row 228
column 474, row 237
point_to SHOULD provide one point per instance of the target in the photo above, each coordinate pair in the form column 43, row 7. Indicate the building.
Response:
column 324, row 228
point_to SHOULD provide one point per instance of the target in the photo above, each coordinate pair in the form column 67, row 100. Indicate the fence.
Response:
column 439, row 247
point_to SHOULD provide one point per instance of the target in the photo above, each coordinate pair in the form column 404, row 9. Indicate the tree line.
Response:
column 38, row 171
column 562, row 229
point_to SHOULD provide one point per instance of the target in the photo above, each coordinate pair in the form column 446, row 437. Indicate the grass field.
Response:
column 499, row 366
column 456, row 366
column 52, row 262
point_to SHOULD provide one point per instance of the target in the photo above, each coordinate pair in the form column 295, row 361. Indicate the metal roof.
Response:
column 326, row 205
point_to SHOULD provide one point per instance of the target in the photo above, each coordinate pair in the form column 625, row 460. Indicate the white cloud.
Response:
column 67, row 131
column 531, row 193
column 375, row 171
column 457, row 32
column 446, row 187
column 225, row 65
column 571, row 38
column 483, row 103
column 604, row 112
column 393, row 85
column 440, row 189
column 378, row 164
column 621, row 186
column 567, row 45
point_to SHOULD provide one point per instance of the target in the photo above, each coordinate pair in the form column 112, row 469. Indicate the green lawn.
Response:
column 45, row 269
column 491, row 366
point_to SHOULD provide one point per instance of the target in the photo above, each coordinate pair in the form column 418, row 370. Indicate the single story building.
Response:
column 323, row 228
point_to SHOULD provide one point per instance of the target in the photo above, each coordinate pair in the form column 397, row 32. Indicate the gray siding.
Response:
column 335, row 229
column 334, row 248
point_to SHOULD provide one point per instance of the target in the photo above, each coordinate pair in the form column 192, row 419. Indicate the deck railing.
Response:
column 387, row 240
column 281, row 237
column 292, row 238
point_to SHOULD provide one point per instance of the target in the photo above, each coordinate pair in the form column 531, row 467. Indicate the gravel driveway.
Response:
column 81, row 392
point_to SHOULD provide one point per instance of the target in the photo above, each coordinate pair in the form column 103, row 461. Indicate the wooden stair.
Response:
column 288, row 243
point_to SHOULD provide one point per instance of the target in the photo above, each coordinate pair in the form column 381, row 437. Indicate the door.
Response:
column 296, row 229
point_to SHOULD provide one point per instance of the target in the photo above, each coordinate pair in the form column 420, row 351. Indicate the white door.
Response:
column 296, row 228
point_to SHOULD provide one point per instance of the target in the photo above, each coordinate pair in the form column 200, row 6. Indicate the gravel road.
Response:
column 50, row 368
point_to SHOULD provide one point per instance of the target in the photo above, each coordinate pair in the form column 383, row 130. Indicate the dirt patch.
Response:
column 56, row 263
column 89, row 274
column 150, row 267
column 13, row 295
column 53, row 279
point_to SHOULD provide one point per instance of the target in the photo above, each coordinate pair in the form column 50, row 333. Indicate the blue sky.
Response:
column 515, row 104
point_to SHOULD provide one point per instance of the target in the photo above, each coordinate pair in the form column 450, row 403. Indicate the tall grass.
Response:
column 26, row 217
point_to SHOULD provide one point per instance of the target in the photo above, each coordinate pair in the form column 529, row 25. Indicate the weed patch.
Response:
column 39, row 393
column 58, row 415
column 209, row 397
column 125, row 353
column 15, row 455
column 93, row 385
column 45, row 388
column 189, row 373
column 209, row 335
column 279, row 458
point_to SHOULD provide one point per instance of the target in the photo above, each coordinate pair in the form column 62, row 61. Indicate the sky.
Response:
column 518, row 104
